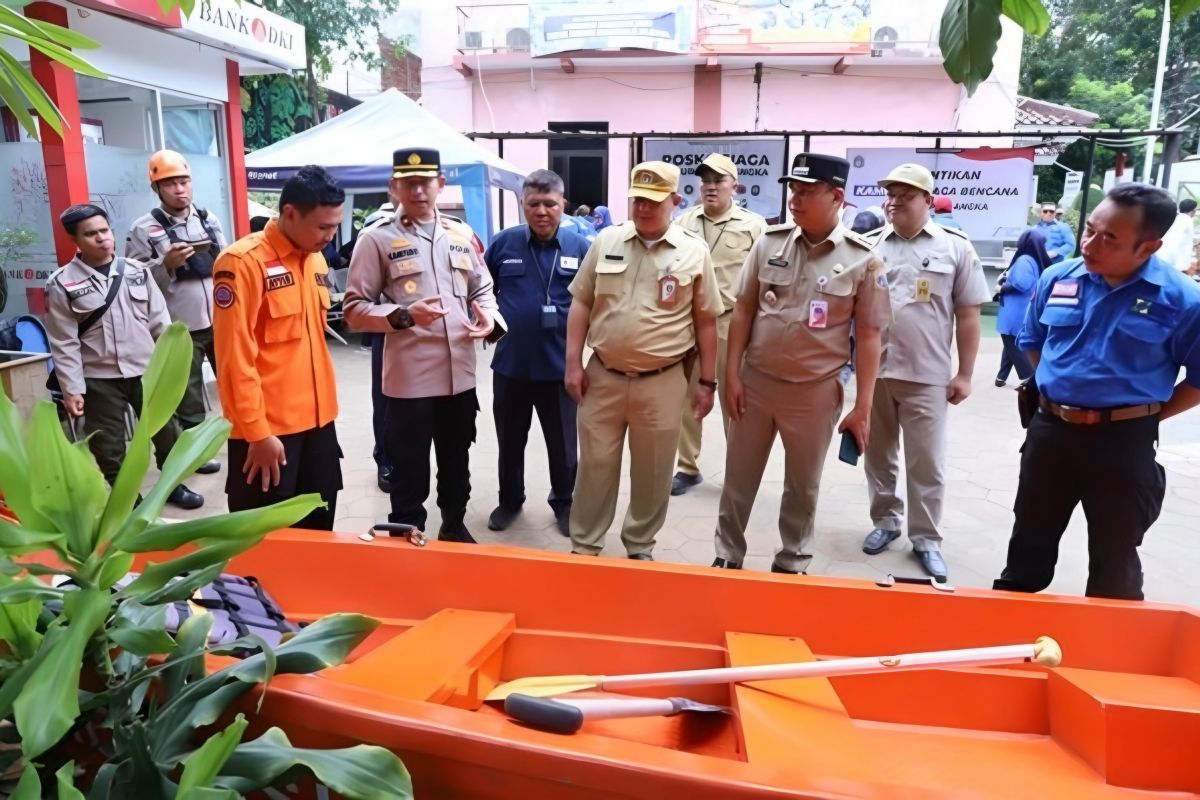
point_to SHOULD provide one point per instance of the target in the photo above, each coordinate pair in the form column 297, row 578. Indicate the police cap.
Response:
column 817, row 168
column 416, row 162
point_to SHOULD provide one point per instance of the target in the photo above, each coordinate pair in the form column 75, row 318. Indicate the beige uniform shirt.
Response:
column 805, row 297
column 631, row 328
column 396, row 264
column 189, row 301
column 928, row 276
column 120, row 343
column 729, row 237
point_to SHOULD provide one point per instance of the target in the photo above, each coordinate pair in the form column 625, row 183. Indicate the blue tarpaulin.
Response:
column 356, row 147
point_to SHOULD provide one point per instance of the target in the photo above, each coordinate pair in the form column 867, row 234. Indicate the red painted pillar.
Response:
column 706, row 99
column 237, row 151
column 66, row 170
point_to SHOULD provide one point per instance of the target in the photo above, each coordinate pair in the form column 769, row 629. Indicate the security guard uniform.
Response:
column 1110, row 357
column 188, row 289
column 107, row 362
column 804, row 297
column 532, row 279
column 274, row 372
column 928, row 277
column 636, row 380
column 729, row 236
column 428, row 370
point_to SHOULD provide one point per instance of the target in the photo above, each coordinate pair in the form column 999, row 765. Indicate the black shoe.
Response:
column 724, row 563
column 502, row 517
column 776, row 568
column 878, row 540
column 384, row 479
column 562, row 521
column 682, row 482
column 641, row 557
column 1001, row 382
column 456, row 533
column 185, row 498
column 933, row 563
column 208, row 468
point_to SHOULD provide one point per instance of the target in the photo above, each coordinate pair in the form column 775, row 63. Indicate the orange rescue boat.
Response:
column 1119, row 718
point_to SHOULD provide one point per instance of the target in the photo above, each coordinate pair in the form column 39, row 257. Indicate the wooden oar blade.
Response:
column 547, row 686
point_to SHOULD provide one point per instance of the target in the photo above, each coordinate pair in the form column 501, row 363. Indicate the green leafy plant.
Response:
column 12, row 240
column 91, row 655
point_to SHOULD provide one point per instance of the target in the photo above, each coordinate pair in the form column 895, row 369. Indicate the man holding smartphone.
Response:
column 803, row 284
column 179, row 242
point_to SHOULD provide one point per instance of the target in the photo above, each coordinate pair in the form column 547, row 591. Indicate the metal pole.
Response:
column 1084, row 190
column 787, row 166
column 1164, row 40
column 499, row 191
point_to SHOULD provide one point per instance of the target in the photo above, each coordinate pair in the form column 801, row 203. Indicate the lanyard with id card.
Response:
column 549, row 310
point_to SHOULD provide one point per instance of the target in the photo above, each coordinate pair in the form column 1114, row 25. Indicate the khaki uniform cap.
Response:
column 911, row 175
column 654, row 180
column 721, row 164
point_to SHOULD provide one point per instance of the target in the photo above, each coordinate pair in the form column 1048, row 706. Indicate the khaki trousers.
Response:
column 648, row 408
column 689, row 433
column 804, row 415
column 918, row 411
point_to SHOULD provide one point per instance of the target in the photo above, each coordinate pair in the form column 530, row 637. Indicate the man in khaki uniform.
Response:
column 803, row 284
column 645, row 296
column 936, row 285
column 728, row 230
column 103, row 315
column 420, row 279
column 180, row 243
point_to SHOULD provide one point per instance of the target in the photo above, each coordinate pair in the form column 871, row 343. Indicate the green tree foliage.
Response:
column 273, row 108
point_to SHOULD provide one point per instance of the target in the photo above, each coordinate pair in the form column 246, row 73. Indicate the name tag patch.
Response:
column 1065, row 289
column 818, row 314
column 75, row 294
column 280, row 281
column 223, row 273
column 403, row 253
column 321, row 279
column 513, row 261
column 570, row 263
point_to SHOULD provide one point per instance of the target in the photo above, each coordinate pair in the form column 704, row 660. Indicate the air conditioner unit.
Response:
column 472, row 40
column 517, row 40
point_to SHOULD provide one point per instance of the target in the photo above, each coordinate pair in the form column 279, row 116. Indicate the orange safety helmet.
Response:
column 167, row 164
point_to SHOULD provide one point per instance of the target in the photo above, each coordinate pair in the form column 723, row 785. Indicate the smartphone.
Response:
column 849, row 450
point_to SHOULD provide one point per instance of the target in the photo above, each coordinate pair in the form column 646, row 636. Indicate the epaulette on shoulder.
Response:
column 453, row 220
column 245, row 244
column 780, row 227
column 959, row 232
column 691, row 233
column 872, row 237
column 860, row 239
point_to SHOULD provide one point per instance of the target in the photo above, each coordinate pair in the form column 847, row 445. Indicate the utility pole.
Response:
column 1163, row 41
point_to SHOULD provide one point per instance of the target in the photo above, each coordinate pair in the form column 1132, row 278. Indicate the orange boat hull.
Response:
column 1120, row 718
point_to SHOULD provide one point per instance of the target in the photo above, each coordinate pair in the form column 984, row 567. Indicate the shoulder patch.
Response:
column 244, row 245
column 780, row 227
column 859, row 239
column 957, row 232
column 872, row 237
column 223, row 295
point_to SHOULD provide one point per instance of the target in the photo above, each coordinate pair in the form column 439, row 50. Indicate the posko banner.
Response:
column 759, row 163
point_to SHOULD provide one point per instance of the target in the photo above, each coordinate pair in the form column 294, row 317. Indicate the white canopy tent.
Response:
column 356, row 147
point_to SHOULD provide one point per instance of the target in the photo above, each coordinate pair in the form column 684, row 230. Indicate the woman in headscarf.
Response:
column 601, row 218
column 1014, row 293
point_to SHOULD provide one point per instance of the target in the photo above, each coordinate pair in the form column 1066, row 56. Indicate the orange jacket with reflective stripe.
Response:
column 274, row 372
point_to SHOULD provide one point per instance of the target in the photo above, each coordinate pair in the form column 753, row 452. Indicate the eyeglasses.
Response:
column 1048, row 211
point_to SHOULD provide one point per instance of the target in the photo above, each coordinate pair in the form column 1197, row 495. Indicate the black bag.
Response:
column 200, row 264
column 1028, row 398
column 8, row 336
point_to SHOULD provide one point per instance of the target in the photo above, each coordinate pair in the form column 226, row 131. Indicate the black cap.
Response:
column 816, row 168
column 416, row 162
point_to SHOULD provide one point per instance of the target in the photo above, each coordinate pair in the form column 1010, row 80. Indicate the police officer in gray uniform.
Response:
column 103, row 316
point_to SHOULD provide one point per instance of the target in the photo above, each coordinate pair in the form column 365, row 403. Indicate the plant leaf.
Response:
column 969, row 34
column 364, row 772
column 16, row 540
column 30, row 785
column 116, row 566
column 66, row 783
column 11, row 688
column 68, row 488
column 143, row 641
column 163, row 385
column 14, row 459
column 189, row 640
column 194, row 447
column 19, row 618
column 48, row 704
column 202, row 766
column 156, row 576
column 1181, row 8
column 249, row 524
column 183, row 588
column 1031, row 15
column 33, row 91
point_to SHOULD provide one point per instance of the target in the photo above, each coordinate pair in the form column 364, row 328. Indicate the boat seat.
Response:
column 452, row 657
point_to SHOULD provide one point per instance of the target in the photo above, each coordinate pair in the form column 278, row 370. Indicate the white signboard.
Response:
column 759, row 163
column 246, row 28
column 990, row 187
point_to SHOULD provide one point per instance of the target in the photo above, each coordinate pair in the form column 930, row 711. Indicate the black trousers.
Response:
column 191, row 411
column 513, row 404
column 448, row 423
column 104, row 405
column 1111, row 470
column 378, row 404
column 314, row 464
column 1013, row 356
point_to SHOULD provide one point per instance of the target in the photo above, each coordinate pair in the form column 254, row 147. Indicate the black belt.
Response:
column 645, row 374
column 1098, row 416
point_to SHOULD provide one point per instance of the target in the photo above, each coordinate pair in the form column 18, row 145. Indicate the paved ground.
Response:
column 983, row 442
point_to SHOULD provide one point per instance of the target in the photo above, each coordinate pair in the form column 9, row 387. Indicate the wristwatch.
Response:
column 401, row 319
column 710, row 384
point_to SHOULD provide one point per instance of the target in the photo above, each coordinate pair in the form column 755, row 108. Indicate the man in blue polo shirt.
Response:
column 1108, row 333
column 1060, row 242
column 532, row 265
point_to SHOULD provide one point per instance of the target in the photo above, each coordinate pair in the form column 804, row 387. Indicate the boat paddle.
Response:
column 1044, row 651
column 567, row 715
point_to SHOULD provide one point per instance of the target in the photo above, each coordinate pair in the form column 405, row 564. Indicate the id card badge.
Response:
column 923, row 293
column 668, row 291
column 818, row 314
column 549, row 318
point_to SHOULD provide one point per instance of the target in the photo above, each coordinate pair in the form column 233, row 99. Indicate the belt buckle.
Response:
column 632, row 374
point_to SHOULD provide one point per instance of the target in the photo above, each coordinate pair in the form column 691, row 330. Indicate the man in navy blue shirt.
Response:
column 532, row 266
column 1060, row 241
column 1108, row 333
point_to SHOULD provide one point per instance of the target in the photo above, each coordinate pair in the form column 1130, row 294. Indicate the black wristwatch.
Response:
column 401, row 319
column 710, row 384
